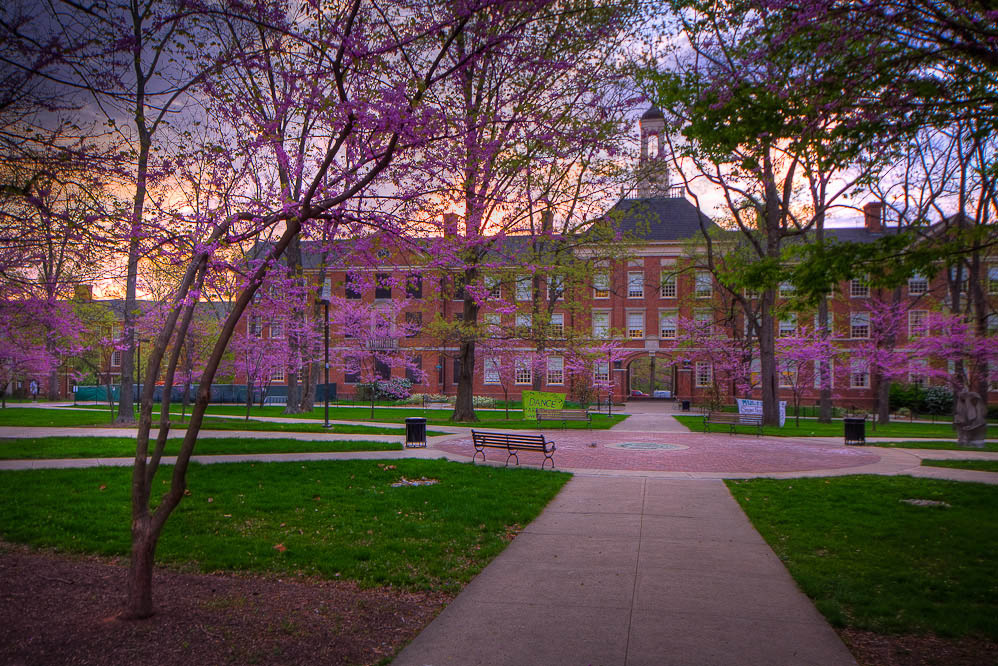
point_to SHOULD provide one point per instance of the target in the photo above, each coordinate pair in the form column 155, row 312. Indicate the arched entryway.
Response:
column 648, row 373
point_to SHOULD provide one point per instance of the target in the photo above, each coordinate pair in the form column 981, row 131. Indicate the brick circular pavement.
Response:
column 701, row 452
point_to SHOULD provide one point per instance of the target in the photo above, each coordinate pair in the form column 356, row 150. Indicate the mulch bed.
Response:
column 872, row 649
column 59, row 609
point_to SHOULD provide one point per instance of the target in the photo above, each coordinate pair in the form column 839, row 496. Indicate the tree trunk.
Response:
column 824, row 370
column 767, row 363
column 249, row 397
column 309, row 387
column 883, row 399
column 138, row 603
column 464, row 404
column 293, row 254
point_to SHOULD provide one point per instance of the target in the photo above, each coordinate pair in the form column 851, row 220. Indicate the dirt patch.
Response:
column 872, row 649
column 57, row 609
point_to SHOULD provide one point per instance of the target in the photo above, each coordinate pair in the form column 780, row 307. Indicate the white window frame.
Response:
column 601, row 371
column 918, row 373
column 859, row 374
column 494, row 286
column 831, row 374
column 917, row 285
column 635, row 325
column 524, row 288
column 667, row 288
column 601, row 285
column 524, row 320
column 556, row 371
column 787, row 372
column 276, row 330
column 601, row 325
column 704, row 374
column 116, row 358
column 523, row 372
column 859, row 287
column 788, row 327
column 916, row 322
column 277, row 375
column 668, row 324
column 635, row 284
column 557, row 325
column 556, row 287
column 859, row 325
column 787, row 289
column 992, row 278
column 703, row 285
column 490, row 370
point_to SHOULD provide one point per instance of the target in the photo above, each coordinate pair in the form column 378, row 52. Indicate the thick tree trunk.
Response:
column 309, row 387
column 293, row 255
column 464, row 404
column 883, row 399
column 824, row 370
column 138, row 603
column 767, row 363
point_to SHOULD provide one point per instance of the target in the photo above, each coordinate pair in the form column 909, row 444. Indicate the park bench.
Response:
column 512, row 443
column 565, row 415
column 732, row 419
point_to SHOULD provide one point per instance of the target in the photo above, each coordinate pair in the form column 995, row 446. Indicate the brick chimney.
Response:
column 451, row 222
column 873, row 215
column 84, row 293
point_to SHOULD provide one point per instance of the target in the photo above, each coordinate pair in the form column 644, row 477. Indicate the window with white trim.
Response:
column 601, row 325
column 917, row 285
column 524, row 320
column 491, row 370
column 494, row 286
column 859, row 325
column 601, row 371
column 788, row 326
column 667, row 324
column 116, row 358
column 787, row 289
column 636, row 325
column 704, row 374
column 491, row 322
column 256, row 326
column 556, row 370
column 601, row 285
column 668, row 285
column 524, row 288
column 557, row 325
column 705, row 318
column 703, row 286
column 788, row 373
column 993, row 278
column 828, row 322
column 276, row 330
column 916, row 322
column 635, row 284
column 277, row 375
column 991, row 323
column 859, row 287
column 817, row 374
column 523, row 373
column 859, row 374
column 918, row 374
column 556, row 287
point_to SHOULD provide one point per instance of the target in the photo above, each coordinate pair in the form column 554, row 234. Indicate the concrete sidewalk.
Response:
column 632, row 571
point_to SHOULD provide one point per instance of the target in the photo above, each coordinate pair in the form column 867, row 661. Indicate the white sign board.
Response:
column 746, row 406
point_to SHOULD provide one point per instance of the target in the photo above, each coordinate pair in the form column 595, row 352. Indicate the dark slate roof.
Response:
column 652, row 113
column 658, row 218
column 856, row 234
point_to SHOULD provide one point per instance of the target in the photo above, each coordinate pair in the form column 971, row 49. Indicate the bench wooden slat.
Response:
column 513, row 443
column 732, row 419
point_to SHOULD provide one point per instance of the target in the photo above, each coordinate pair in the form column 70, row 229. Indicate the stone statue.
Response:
column 970, row 419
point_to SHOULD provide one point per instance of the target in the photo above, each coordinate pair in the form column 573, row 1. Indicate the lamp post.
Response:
column 324, row 299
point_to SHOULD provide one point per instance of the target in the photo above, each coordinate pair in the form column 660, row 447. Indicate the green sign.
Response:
column 534, row 399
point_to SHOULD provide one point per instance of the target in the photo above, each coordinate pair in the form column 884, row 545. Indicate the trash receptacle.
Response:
column 415, row 432
column 686, row 405
column 855, row 429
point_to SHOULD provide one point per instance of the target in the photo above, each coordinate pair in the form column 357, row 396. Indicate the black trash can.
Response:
column 855, row 429
column 686, row 405
column 415, row 432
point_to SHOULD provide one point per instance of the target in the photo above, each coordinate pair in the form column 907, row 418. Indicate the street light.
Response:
column 324, row 299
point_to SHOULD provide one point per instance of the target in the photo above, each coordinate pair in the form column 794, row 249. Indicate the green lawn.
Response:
column 950, row 445
column 871, row 561
column 118, row 447
column 331, row 519
column 812, row 428
column 979, row 465
column 439, row 417
column 13, row 416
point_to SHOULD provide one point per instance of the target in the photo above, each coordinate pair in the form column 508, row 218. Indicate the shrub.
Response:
column 938, row 400
column 906, row 396
column 483, row 401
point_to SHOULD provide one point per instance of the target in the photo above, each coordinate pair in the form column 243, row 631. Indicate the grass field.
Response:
column 439, row 417
column 979, row 465
column 871, row 561
column 331, row 519
column 37, row 448
column 950, row 445
column 812, row 428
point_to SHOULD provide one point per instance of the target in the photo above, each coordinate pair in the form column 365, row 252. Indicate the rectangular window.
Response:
column 635, row 284
column 116, row 358
column 668, row 285
column 276, row 330
column 601, row 371
column 557, row 325
column 859, row 287
column 523, row 373
column 916, row 322
column 817, row 374
column 491, row 370
column 382, row 286
column 993, row 278
column 491, row 322
column 414, row 286
column 556, row 370
column 667, row 324
column 859, row 375
column 414, row 370
column 859, row 325
column 991, row 323
column 256, row 326
column 352, row 376
column 788, row 374
column 277, row 375
column 524, row 321
column 413, row 323
column 788, row 326
column 917, row 285
column 704, row 374
column 351, row 288
column 918, row 374
column 636, row 325
column 556, row 287
column 703, row 286
column 828, row 322
column 601, row 285
column 787, row 289
column 704, row 318
column 601, row 325
column 524, row 288
column 494, row 285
